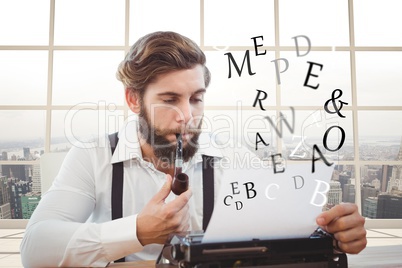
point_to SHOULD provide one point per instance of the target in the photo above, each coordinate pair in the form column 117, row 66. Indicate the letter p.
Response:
column 278, row 76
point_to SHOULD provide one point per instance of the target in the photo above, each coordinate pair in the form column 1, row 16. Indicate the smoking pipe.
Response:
column 180, row 180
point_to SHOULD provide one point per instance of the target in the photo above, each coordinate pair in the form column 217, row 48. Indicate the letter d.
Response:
column 239, row 205
column 295, row 181
column 297, row 45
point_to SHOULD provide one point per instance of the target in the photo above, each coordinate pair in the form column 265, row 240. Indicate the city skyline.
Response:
column 62, row 144
column 380, row 187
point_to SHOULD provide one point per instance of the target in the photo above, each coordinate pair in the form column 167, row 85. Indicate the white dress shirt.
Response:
column 72, row 224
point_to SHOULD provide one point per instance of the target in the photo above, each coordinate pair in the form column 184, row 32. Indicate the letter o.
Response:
column 340, row 143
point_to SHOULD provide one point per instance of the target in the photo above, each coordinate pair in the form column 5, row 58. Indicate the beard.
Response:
column 162, row 147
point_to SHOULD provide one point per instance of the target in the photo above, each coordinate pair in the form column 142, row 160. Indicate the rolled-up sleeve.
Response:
column 59, row 234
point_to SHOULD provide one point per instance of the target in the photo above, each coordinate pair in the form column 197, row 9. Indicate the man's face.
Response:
column 174, row 103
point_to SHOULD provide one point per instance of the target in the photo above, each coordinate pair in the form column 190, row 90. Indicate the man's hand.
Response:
column 157, row 219
column 347, row 226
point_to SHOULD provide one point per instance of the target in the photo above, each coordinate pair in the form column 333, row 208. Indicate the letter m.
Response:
column 246, row 57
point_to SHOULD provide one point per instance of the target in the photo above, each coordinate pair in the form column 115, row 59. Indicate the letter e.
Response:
column 274, row 163
column 234, row 187
column 310, row 74
column 255, row 45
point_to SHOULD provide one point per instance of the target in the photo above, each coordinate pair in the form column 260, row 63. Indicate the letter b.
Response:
column 250, row 189
column 322, row 193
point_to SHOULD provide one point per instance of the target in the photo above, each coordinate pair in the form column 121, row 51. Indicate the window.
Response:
column 58, row 85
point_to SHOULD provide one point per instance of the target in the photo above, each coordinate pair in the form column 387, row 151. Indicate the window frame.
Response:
column 353, row 107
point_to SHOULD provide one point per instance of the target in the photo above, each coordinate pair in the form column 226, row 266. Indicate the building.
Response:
column 386, row 173
column 367, row 191
column 373, row 173
column 349, row 193
column 396, row 177
column 334, row 194
column 344, row 178
column 5, row 211
column 16, row 190
column 36, row 178
column 4, row 194
column 15, row 171
column 376, row 183
column 364, row 172
column 27, row 153
column 389, row 206
column 28, row 204
column 4, row 156
column 370, row 208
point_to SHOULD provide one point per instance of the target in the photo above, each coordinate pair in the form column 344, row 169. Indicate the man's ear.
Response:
column 133, row 101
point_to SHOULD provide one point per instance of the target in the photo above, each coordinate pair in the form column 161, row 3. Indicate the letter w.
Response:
column 279, row 130
column 231, row 59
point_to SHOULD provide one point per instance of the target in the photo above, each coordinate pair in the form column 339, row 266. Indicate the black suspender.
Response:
column 117, row 186
column 208, row 189
column 117, row 182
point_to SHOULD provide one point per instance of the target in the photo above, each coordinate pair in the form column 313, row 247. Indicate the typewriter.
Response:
column 187, row 250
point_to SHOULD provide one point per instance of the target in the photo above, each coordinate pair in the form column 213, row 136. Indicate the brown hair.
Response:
column 159, row 53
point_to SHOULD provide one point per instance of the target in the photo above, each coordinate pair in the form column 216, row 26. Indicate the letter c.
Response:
column 224, row 200
column 267, row 191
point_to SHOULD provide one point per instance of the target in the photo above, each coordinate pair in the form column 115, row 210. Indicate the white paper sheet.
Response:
column 258, row 204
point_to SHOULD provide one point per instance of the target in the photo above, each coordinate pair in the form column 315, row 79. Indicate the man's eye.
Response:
column 197, row 100
column 169, row 100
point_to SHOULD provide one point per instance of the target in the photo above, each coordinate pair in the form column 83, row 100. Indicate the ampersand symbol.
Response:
column 333, row 100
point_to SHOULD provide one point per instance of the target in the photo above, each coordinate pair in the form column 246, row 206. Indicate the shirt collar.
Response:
column 129, row 147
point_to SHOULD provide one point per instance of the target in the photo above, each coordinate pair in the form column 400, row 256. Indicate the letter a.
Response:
column 258, row 141
column 315, row 148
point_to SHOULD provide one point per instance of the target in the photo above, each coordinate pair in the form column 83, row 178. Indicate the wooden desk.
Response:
column 137, row 264
column 380, row 256
column 371, row 257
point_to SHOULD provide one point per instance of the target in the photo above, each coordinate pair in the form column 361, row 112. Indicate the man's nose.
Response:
column 186, row 112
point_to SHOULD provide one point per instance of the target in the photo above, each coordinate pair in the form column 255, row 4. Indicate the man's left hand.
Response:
column 347, row 226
